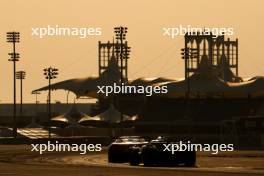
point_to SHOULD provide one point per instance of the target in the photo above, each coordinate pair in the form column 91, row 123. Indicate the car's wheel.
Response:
column 147, row 156
column 190, row 159
column 134, row 156
column 112, row 157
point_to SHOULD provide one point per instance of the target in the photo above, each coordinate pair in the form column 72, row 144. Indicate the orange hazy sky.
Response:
column 153, row 55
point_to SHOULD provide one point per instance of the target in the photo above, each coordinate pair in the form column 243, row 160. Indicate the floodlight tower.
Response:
column 21, row 75
column 122, row 51
column 13, row 37
column 50, row 73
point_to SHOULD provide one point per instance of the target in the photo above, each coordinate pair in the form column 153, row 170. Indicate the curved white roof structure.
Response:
column 71, row 117
column 206, row 82
column 88, row 86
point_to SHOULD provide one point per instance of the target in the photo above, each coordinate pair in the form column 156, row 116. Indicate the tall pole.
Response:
column 49, row 108
column 21, row 75
column 121, row 78
column 121, row 56
column 21, row 96
column 50, row 73
column 121, row 35
column 13, row 37
column 14, row 105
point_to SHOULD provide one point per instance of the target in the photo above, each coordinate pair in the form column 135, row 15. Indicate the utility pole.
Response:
column 21, row 75
column 13, row 37
column 122, row 53
column 50, row 73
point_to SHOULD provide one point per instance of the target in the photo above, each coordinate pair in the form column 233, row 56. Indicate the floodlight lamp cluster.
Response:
column 14, row 57
column 50, row 73
column 20, row 75
column 122, row 50
column 13, row 37
column 120, row 33
column 188, row 53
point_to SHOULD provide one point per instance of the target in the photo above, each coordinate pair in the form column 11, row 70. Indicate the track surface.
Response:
column 18, row 160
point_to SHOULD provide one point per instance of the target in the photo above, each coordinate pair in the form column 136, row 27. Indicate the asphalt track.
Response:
column 18, row 160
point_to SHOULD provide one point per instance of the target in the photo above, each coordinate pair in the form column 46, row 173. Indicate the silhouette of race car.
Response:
column 157, row 153
column 119, row 150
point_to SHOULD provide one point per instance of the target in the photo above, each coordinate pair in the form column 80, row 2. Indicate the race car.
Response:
column 119, row 150
column 157, row 153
